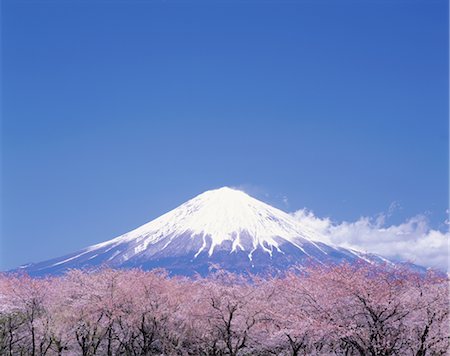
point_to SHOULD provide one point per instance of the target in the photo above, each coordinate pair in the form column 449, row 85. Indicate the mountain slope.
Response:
column 223, row 227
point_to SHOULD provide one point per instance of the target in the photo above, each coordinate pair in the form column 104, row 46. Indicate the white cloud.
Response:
column 413, row 240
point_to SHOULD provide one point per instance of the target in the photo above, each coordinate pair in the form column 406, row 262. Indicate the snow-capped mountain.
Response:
column 223, row 227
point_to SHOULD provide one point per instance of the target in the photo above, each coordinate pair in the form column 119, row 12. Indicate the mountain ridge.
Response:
column 224, row 227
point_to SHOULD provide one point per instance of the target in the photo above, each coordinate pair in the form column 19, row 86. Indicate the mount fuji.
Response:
column 222, row 228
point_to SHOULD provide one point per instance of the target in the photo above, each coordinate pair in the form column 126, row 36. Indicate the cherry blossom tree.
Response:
column 225, row 314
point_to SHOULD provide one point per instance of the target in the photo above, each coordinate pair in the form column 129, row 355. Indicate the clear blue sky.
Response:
column 116, row 111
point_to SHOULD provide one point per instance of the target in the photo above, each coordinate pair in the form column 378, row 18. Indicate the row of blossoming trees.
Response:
column 340, row 310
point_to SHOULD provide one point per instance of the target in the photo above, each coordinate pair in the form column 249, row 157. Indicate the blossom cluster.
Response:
column 334, row 310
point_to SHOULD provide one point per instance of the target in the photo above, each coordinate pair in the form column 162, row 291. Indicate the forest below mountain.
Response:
column 339, row 310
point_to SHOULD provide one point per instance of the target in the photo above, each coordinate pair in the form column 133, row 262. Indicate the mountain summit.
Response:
column 224, row 227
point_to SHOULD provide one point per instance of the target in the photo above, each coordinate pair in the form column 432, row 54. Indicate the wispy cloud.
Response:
column 413, row 240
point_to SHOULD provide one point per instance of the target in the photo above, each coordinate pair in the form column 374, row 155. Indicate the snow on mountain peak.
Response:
column 219, row 215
